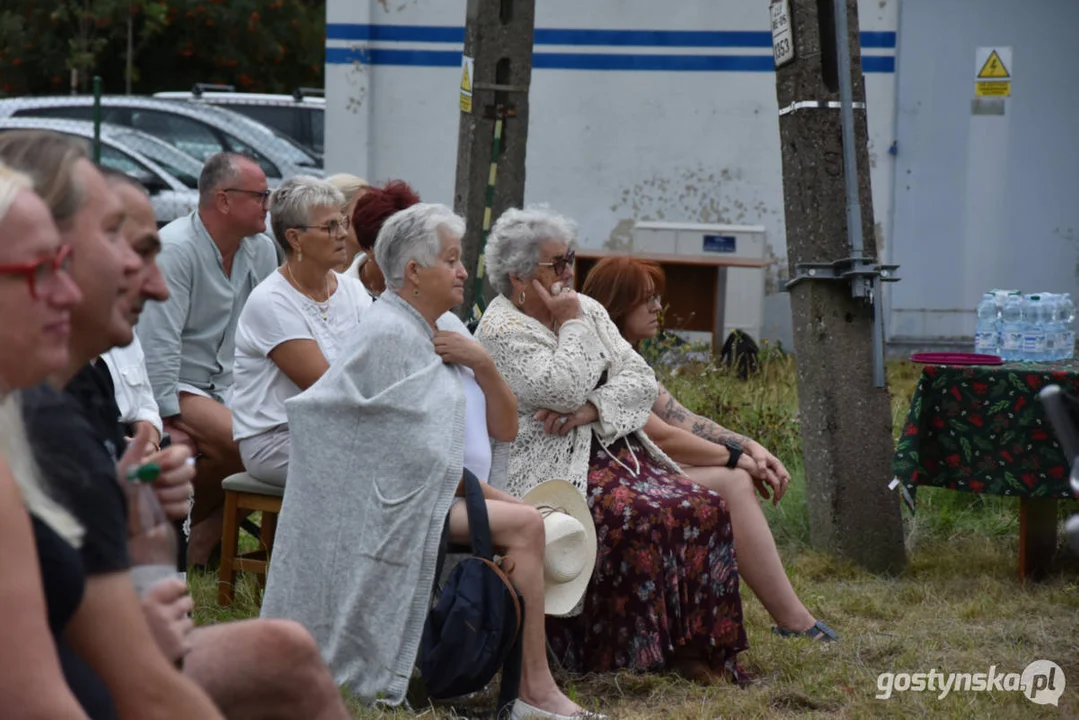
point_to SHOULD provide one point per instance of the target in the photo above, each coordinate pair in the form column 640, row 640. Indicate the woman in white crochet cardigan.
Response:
column 664, row 594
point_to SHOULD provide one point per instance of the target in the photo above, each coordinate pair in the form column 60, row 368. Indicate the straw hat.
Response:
column 570, row 555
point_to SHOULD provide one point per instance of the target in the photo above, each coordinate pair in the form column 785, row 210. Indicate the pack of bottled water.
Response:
column 1032, row 327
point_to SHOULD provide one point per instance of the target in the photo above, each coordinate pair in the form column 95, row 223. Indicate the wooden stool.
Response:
column 244, row 494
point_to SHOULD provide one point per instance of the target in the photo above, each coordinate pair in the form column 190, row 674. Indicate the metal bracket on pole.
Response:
column 865, row 276
column 850, row 269
column 500, row 88
column 499, row 112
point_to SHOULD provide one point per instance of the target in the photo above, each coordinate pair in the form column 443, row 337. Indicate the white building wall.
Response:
column 607, row 147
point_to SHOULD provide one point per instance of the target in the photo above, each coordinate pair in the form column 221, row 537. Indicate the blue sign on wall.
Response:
column 720, row 243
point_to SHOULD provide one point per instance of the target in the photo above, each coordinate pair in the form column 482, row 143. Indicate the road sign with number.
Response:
column 782, row 35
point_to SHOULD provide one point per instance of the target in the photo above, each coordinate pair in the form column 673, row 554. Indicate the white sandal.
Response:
column 524, row 711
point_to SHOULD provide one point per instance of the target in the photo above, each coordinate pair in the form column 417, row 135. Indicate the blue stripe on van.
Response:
column 582, row 36
column 584, row 61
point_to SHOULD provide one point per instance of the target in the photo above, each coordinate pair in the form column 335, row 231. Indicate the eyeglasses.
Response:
column 41, row 273
column 559, row 263
column 333, row 227
column 655, row 299
column 263, row 194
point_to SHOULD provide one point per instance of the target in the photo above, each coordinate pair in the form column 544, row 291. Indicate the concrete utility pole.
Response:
column 843, row 398
column 495, row 77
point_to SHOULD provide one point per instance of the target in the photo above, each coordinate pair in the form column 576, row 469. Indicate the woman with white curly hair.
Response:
column 664, row 593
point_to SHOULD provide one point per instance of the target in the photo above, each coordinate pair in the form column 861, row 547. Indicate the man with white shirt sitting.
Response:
column 134, row 394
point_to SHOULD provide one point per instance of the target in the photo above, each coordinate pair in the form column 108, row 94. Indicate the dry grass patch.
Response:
column 958, row 608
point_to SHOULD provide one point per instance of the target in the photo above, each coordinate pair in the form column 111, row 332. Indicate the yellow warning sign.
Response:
column 993, row 71
column 467, row 65
column 994, row 68
column 993, row 88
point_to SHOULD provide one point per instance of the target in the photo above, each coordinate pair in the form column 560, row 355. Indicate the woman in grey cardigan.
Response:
column 379, row 443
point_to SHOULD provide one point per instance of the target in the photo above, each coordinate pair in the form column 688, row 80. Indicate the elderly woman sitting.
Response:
column 294, row 324
column 664, row 593
column 381, row 441
column 630, row 290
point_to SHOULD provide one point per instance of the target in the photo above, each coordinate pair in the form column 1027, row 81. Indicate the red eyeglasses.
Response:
column 41, row 273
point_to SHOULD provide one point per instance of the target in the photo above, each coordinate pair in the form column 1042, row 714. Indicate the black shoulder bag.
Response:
column 474, row 628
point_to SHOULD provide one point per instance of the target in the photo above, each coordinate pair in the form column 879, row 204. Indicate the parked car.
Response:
column 170, row 196
column 300, row 116
column 177, row 163
column 198, row 130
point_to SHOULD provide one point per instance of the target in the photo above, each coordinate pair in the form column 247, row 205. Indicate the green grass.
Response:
column 957, row 608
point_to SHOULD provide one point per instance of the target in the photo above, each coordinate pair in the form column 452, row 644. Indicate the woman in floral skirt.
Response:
column 664, row 594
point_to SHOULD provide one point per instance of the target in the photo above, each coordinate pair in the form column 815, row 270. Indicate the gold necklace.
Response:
column 323, row 307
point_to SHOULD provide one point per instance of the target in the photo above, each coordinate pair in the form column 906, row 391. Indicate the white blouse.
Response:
column 275, row 313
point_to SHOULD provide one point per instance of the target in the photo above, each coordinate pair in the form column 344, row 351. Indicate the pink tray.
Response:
column 939, row 358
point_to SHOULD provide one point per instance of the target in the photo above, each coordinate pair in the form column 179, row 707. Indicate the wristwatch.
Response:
column 735, row 450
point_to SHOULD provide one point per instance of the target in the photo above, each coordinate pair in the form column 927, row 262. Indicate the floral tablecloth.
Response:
column 982, row 429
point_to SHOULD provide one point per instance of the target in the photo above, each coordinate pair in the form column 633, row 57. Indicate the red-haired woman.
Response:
column 630, row 289
column 372, row 210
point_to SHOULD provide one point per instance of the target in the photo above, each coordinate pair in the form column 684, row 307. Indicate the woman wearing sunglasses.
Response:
column 664, row 593
column 295, row 322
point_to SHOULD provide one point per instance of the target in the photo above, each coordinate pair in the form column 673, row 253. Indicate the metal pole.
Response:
column 860, row 286
column 97, row 118
column 850, row 158
column 876, row 298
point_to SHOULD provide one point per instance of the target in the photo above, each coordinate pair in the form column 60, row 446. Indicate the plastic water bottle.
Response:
column 987, row 332
column 1049, row 322
column 1001, row 296
column 1060, row 350
column 152, row 539
column 1066, row 319
column 1011, row 329
column 1033, row 329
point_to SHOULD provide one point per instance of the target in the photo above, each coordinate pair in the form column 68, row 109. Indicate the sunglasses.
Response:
column 333, row 227
column 559, row 263
column 42, row 273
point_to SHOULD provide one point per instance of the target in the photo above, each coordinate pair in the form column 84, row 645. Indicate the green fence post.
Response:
column 97, row 118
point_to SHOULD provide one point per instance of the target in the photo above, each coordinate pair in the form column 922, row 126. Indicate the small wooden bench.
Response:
column 244, row 494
